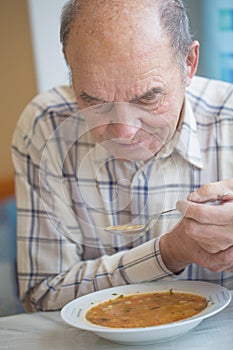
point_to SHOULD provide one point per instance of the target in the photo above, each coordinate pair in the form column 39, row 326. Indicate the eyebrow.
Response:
column 87, row 98
column 147, row 95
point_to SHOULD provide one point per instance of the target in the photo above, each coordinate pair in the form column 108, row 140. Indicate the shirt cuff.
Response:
column 144, row 264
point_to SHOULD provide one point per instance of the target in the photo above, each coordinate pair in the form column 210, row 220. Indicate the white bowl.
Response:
column 74, row 312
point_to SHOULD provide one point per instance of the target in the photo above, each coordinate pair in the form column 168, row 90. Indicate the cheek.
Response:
column 168, row 114
column 161, row 119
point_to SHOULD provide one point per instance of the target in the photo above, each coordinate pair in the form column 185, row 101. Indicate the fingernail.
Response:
column 224, row 196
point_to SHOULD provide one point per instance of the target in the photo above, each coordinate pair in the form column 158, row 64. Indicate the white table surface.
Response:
column 47, row 331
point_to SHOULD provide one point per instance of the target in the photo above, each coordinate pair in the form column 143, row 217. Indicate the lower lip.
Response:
column 129, row 145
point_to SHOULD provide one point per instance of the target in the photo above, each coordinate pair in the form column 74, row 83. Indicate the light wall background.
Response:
column 17, row 74
column 50, row 66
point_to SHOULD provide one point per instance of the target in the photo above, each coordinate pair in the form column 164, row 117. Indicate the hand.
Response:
column 205, row 233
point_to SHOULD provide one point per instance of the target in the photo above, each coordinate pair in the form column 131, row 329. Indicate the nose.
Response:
column 123, row 130
column 125, row 123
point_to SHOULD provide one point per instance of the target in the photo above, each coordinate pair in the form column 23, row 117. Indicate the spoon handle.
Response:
column 155, row 216
column 217, row 201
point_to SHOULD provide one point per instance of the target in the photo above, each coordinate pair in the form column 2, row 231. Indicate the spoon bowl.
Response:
column 132, row 229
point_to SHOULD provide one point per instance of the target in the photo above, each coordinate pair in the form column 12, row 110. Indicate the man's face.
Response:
column 124, row 72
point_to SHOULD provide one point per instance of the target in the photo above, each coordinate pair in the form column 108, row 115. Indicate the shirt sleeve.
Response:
column 51, row 269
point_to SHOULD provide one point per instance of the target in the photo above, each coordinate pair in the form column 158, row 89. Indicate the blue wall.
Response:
column 212, row 24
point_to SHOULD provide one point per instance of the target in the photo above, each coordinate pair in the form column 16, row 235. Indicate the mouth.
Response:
column 133, row 149
column 126, row 142
column 125, row 145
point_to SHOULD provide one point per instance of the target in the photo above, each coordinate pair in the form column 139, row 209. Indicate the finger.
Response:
column 215, row 238
column 208, row 248
column 212, row 238
column 207, row 214
column 221, row 261
column 216, row 245
column 213, row 191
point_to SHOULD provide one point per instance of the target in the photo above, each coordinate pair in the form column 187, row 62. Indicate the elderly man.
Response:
column 137, row 134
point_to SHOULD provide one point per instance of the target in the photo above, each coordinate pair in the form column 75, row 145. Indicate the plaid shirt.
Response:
column 68, row 188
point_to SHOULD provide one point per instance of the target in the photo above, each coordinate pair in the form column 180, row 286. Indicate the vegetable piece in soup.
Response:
column 146, row 309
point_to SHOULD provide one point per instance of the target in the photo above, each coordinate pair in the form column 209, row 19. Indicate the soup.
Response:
column 146, row 309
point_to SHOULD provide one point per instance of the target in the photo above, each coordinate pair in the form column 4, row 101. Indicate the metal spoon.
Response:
column 132, row 229
column 135, row 229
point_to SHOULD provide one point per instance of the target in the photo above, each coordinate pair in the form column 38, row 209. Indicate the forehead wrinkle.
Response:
column 124, row 92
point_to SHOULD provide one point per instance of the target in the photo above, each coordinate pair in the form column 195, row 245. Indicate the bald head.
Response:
column 114, row 33
column 107, row 16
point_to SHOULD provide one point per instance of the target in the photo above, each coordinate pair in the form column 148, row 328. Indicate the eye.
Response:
column 149, row 98
column 148, row 103
column 151, row 101
column 102, row 108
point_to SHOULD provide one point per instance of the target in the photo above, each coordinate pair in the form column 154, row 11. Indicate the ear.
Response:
column 192, row 61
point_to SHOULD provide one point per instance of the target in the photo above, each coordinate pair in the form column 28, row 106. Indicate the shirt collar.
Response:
column 185, row 141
